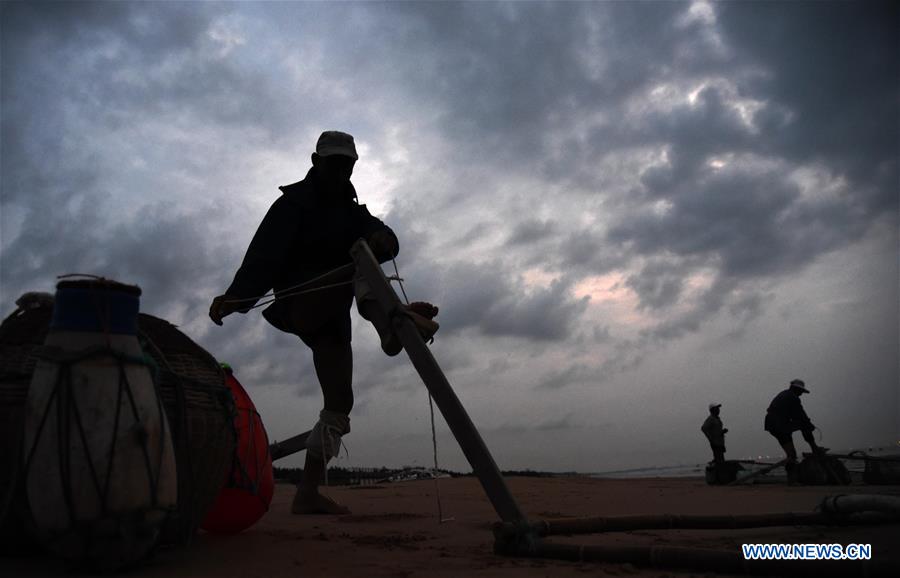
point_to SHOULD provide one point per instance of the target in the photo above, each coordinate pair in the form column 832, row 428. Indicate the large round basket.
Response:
column 198, row 405
column 20, row 336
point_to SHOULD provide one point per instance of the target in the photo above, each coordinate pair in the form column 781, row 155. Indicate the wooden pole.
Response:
column 863, row 457
column 566, row 526
column 290, row 446
column 458, row 420
column 715, row 561
column 757, row 473
column 866, row 511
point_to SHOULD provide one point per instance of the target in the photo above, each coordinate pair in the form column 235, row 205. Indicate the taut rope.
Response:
column 434, row 471
column 298, row 289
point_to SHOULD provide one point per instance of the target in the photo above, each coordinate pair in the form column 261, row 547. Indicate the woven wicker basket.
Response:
column 20, row 335
column 201, row 413
column 198, row 404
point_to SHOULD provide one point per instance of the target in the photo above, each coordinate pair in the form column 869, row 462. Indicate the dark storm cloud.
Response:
column 112, row 60
column 63, row 20
column 574, row 373
column 587, row 252
column 152, row 76
column 488, row 297
column 529, row 231
column 497, row 303
column 752, row 224
column 744, row 222
column 171, row 255
column 566, row 422
column 673, row 327
column 657, row 284
column 542, row 314
column 835, row 67
column 73, row 74
column 49, row 71
column 746, row 308
column 507, row 73
column 414, row 235
column 43, row 244
column 118, row 65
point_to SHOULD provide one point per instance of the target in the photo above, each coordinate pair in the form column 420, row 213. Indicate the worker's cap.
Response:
column 334, row 142
column 798, row 383
column 714, row 405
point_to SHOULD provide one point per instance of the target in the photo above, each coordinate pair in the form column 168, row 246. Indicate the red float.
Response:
column 249, row 485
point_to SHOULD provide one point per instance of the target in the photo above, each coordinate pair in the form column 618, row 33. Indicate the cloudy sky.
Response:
column 625, row 210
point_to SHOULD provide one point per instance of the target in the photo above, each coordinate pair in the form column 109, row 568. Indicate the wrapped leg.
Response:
column 324, row 442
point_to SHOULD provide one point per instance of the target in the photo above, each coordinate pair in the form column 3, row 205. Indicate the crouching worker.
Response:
column 784, row 416
column 308, row 232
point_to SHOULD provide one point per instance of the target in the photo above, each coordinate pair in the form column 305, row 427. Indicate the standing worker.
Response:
column 715, row 433
column 306, row 235
column 785, row 416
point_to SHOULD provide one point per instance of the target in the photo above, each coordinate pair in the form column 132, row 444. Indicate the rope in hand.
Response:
column 434, row 471
column 298, row 289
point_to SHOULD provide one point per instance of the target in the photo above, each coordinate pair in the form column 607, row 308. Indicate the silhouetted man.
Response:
column 785, row 416
column 715, row 433
column 309, row 231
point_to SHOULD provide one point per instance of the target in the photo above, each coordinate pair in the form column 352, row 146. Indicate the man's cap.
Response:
column 335, row 142
column 714, row 405
column 798, row 383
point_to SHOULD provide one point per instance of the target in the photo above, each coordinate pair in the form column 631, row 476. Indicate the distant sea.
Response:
column 679, row 471
column 698, row 470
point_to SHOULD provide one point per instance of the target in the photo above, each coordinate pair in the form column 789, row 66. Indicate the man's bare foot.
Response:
column 317, row 504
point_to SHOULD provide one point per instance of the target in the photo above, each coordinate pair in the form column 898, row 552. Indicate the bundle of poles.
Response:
column 835, row 510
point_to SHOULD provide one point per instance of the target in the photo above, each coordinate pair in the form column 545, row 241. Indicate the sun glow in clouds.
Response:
column 538, row 278
column 611, row 297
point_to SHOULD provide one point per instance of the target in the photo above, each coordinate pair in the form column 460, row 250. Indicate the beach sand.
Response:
column 395, row 531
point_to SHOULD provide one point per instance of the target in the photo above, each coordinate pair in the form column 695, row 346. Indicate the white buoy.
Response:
column 99, row 462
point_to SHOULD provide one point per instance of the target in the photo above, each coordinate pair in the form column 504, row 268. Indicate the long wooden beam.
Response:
column 757, row 473
column 290, row 446
column 458, row 420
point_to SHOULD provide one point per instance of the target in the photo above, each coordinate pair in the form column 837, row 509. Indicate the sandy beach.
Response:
column 395, row 530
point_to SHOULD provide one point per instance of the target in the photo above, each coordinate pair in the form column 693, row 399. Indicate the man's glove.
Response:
column 725, row 430
column 219, row 308
column 424, row 309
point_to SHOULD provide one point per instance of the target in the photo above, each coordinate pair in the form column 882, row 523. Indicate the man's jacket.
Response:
column 712, row 427
column 307, row 231
column 786, row 415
